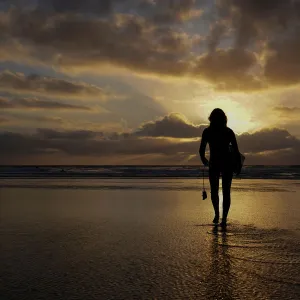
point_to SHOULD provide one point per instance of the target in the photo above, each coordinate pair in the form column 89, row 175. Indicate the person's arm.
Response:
column 202, row 148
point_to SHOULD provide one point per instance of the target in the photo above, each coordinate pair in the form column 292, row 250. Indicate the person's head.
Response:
column 218, row 118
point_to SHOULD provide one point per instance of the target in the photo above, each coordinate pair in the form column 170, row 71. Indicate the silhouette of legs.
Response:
column 214, row 176
column 226, row 186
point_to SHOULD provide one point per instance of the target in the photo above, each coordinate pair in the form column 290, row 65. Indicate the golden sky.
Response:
column 134, row 81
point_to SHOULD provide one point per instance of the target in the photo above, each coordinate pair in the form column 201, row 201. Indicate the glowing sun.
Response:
column 239, row 118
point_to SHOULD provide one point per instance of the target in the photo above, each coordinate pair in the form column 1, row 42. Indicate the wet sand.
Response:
column 147, row 239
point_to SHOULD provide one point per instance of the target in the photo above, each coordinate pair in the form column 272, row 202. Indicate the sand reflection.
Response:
column 219, row 279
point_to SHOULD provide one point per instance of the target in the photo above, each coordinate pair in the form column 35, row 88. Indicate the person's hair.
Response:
column 218, row 118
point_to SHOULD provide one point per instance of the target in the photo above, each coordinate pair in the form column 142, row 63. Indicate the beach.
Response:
column 64, row 238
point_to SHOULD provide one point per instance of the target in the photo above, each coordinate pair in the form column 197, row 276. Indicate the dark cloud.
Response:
column 283, row 63
column 271, row 27
column 174, row 125
column 65, row 6
column 253, row 19
column 167, row 11
column 216, row 33
column 126, row 41
column 175, row 11
column 261, row 40
column 229, row 69
column 17, row 144
column 82, row 143
column 267, row 140
column 131, row 42
column 94, row 6
column 34, row 84
column 278, row 157
column 17, row 118
column 289, row 112
column 177, row 126
column 267, row 143
column 32, row 103
column 51, row 134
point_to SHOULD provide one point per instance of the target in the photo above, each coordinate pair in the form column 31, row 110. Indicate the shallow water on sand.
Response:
column 149, row 241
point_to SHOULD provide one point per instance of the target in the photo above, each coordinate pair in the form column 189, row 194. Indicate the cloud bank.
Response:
column 174, row 125
column 164, row 137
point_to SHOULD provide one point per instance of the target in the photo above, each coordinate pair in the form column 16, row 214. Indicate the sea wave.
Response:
column 251, row 172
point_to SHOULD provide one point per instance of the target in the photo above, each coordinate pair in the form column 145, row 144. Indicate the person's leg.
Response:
column 226, row 186
column 214, row 176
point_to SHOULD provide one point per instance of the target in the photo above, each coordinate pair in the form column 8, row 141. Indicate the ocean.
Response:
column 250, row 172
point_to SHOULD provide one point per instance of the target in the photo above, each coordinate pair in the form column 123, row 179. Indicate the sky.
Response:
column 134, row 81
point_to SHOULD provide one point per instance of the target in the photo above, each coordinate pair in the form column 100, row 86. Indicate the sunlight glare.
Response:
column 239, row 118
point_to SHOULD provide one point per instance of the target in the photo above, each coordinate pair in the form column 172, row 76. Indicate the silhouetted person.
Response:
column 220, row 139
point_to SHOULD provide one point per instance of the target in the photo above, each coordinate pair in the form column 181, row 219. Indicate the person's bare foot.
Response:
column 223, row 223
column 216, row 220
